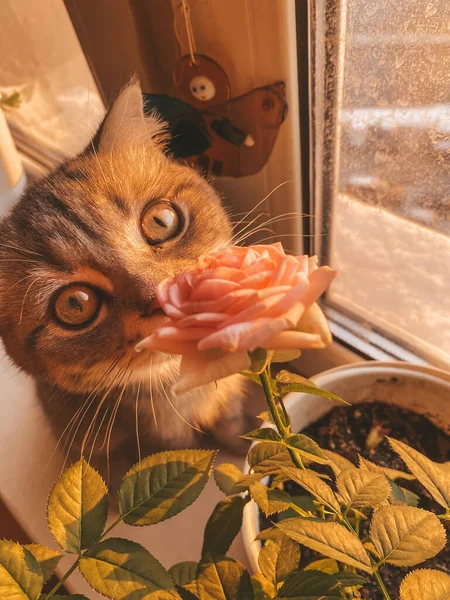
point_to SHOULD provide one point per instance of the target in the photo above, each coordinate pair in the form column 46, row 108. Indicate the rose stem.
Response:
column 275, row 413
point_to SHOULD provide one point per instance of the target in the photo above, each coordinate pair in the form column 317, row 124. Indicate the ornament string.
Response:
column 186, row 11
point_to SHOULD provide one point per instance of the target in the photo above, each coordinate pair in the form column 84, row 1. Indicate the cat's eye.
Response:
column 160, row 222
column 77, row 305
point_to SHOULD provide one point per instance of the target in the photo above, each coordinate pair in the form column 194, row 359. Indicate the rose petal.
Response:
column 183, row 333
column 296, row 340
column 199, row 369
column 174, row 295
column 154, row 342
column 212, row 288
column 172, row 311
column 294, row 296
column 202, row 319
column 257, row 281
column 250, row 334
column 219, row 305
column 265, row 329
column 314, row 321
column 319, row 280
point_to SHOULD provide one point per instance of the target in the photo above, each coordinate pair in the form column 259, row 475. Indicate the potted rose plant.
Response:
column 241, row 310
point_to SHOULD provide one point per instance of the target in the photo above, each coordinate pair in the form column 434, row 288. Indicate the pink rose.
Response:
column 236, row 300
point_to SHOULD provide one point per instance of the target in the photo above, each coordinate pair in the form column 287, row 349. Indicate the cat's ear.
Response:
column 126, row 124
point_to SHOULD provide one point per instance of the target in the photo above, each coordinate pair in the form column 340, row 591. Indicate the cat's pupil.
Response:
column 160, row 223
column 77, row 305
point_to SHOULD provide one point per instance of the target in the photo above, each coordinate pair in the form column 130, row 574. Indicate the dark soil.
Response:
column 360, row 429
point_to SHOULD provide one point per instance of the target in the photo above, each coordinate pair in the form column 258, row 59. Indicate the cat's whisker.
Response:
column 19, row 249
column 152, row 402
column 120, row 373
column 87, row 405
column 253, row 232
column 138, row 441
column 25, row 297
column 260, row 226
column 275, row 219
column 120, row 386
column 115, row 383
column 20, row 281
column 25, row 260
column 114, row 415
column 244, row 228
column 179, row 414
column 266, row 198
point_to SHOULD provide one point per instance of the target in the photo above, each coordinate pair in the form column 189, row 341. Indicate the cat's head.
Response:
column 83, row 250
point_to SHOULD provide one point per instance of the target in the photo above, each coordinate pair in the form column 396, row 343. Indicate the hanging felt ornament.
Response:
column 221, row 136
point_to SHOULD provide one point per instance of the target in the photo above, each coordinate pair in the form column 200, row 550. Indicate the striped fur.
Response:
column 82, row 224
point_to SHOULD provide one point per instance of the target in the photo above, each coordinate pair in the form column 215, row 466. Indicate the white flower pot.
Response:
column 424, row 390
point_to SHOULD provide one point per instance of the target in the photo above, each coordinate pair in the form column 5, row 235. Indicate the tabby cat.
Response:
column 80, row 257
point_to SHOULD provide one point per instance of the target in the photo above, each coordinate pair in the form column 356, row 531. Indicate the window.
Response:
column 41, row 57
column 381, row 97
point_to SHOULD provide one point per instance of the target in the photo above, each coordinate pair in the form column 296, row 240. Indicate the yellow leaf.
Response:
column 425, row 584
column 406, row 536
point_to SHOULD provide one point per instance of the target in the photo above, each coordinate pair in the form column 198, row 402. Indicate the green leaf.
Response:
column 222, row 578
column 392, row 474
column 284, row 388
column 47, row 558
column 433, row 476
column 278, row 558
column 271, row 533
column 77, row 508
column 308, row 480
column 259, row 357
column 288, row 377
column 360, row 488
column 262, row 588
column 309, row 585
column 307, row 448
column 263, row 434
column 406, row 536
column 266, row 416
column 232, row 480
column 337, row 462
column 326, row 565
column 397, row 495
column 411, row 498
column 426, row 584
column 186, row 594
column 20, row 574
column 223, row 525
column 72, row 596
column 269, row 501
column 122, row 570
column 267, row 457
column 184, row 572
column 12, row 100
column 162, row 485
column 348, row 579
column 328, row 538
column 281, row 356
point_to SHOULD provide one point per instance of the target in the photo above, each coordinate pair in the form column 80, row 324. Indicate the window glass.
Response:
column 383, row 75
